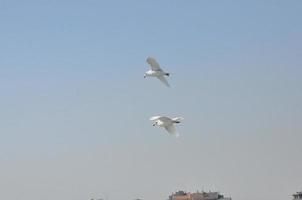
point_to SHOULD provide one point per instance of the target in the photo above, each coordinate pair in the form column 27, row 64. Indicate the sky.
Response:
column 75, row 108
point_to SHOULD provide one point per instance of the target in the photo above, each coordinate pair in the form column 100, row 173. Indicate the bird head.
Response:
column 155, row 123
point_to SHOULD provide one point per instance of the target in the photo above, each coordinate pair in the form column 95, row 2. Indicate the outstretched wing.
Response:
column 165, row 119
column 163, row 80
column 177, row 119
column 155, row 118
column 153, row 64
column 161, row 118
column 171, row 129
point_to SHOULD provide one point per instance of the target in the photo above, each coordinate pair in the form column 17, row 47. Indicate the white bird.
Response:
column 156, row 71
column 167, row 123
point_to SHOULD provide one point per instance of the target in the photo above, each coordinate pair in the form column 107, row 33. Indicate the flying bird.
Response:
column 167, row 123
column 156, row 71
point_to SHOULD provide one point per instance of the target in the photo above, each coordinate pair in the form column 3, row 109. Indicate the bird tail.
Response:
column 177, row 119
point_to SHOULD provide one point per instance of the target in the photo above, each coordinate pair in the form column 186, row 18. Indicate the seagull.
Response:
column 167, row 123
column 156, row 71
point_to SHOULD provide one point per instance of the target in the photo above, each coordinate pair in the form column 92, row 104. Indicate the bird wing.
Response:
column 177, row 119
column 163, row 80
column 165, row 119
column 155, row 118
column 171, row 129
column 161, row 118
column 153, row 64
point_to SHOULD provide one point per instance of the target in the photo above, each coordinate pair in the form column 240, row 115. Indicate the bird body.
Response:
column 156, row 73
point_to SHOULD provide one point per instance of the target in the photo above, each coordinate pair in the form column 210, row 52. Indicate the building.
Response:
column 181, row 195
column 297, row 196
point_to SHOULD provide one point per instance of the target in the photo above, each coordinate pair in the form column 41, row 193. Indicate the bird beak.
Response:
column 154, row 124
column 144, row 76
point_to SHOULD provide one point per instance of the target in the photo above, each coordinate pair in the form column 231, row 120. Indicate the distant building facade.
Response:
column 297, row 196
column 181, row 195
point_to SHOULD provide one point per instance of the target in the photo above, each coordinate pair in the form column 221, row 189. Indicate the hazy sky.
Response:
column 75, row 106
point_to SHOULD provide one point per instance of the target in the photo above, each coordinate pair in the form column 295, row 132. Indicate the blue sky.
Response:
column 75, row 106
